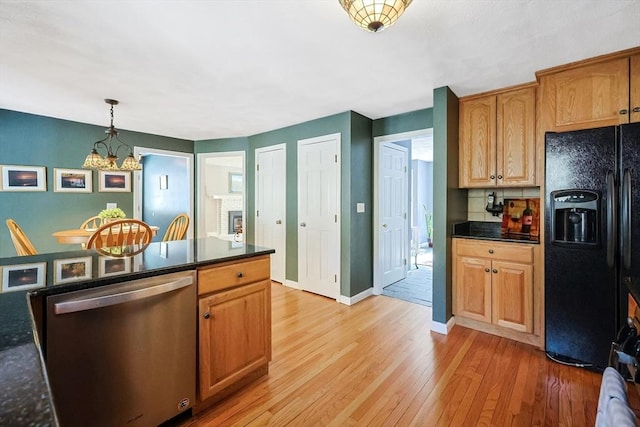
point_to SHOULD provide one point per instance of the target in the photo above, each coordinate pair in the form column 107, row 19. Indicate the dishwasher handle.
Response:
column 121, row 297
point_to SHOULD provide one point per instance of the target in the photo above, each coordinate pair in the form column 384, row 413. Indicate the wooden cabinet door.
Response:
column 235, row 335
column 512, row 295
column 515, row 138
column 590, row 96
column 477, row 142
column 634, row 96
column 473, row 288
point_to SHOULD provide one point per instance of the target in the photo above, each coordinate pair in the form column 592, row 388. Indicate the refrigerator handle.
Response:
column 625, row 223
column 611, row 219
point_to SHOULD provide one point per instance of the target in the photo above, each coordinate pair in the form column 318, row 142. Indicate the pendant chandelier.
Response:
column 374, row 15
column 111, row 144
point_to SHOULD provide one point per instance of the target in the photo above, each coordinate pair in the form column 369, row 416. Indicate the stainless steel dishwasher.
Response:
column 123, row 354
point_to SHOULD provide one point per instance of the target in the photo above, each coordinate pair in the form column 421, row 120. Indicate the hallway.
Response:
column 417, row 286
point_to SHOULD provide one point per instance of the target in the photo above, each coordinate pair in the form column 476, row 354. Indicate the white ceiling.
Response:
column 221, row 68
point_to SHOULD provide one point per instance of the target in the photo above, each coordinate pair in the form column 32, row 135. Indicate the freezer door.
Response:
column 629, row 229
column 581, row 302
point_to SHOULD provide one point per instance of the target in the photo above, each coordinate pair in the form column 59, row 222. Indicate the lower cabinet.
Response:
column 493, row 283
column 234, row 310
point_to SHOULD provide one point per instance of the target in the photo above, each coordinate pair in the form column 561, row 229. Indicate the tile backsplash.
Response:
column 477, row 201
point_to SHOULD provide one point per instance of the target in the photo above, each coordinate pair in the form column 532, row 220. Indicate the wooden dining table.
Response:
column 80, row 236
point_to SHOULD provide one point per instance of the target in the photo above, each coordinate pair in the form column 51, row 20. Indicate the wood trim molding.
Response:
column 498, row 91
column 588, row 61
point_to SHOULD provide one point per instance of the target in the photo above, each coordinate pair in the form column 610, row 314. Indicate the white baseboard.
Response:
column 443, row 328
column 291, row 284
column 356, row 298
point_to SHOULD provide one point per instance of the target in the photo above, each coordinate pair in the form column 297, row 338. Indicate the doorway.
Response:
column 164, row 188
column 221, row 195
column 416, row 285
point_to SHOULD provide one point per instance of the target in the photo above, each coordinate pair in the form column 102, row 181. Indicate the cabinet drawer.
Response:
column 515, row 252
column 232, row 274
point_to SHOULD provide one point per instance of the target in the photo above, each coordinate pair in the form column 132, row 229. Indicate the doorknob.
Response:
column 384, row 225
column 303, row 224
column 278, row 221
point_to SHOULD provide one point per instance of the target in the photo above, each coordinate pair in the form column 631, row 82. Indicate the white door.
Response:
column 392, row 221
column 271, row 204
column 318, row 212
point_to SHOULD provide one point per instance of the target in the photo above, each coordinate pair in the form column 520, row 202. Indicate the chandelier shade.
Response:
column 111, row 144
column 374, row 15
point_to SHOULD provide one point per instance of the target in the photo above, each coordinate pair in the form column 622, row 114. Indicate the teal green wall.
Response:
column 449, row 202
column 27, row 139
column 360, row 228
column 343, row 124
column 406, row 122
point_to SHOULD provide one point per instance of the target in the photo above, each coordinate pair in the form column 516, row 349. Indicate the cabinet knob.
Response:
column 487, row 270
column 624, row 111
column 206, row 315
column 499, row 176
column 490, row 251
column 492, row 177
column 495, row 270
column 636, row 109
column 239, row 274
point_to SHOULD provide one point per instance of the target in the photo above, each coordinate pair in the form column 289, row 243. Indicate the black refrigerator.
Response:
column 592, row 239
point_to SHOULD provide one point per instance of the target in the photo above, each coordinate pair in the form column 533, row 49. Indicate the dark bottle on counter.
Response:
column 527, row 219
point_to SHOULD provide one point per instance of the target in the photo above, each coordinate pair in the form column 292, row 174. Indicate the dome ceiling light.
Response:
column 374, row 15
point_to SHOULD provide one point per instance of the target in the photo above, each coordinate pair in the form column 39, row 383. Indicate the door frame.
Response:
column 338, row 138
column 202, row 191
column 282, row 147
column 377, row 144
column 138, row 152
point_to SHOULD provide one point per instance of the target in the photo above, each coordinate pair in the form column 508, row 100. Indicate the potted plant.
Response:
column 428, row 217
column 108, row 215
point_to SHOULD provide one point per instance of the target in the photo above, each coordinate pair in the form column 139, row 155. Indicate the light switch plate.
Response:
column 359, row 207
column 112, row 205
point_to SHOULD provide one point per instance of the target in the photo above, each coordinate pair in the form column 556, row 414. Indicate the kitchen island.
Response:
column 25, row 398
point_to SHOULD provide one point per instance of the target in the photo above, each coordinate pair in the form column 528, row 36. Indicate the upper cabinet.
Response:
column 497, row 139
column 593, row 93
column 634, row 88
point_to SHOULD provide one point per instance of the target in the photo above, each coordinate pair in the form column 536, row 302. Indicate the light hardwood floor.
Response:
column 377, row 363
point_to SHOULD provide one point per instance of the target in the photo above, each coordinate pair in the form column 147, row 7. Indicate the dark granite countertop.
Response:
column 490, row 231
column 25, row 399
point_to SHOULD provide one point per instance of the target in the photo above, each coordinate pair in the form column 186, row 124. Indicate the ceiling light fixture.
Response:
column 95, row 160
column 374, row 15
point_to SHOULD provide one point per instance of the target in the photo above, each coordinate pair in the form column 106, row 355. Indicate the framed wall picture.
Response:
column 23, row 276
column 72, row 269
column 23, row 178
column 72, row 180
column 109, row 266
column 235, row 182
column 116, row 181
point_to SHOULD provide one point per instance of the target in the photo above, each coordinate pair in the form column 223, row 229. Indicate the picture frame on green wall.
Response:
column 235, row 182
column 114, row 181
column 23, row 178
column 72, row 180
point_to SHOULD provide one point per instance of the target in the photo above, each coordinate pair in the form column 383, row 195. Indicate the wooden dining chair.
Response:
column 177, row 229
column 91, row 223
column 20, row 240
column 120, row 233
